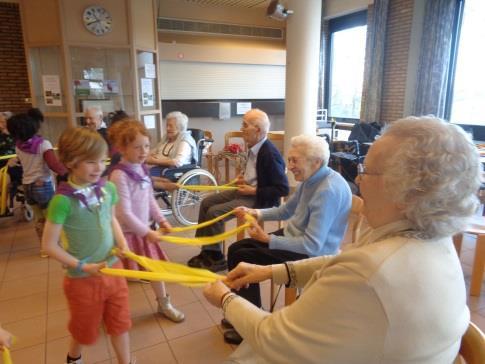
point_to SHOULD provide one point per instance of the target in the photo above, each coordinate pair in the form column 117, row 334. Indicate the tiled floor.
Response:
column 32, row 306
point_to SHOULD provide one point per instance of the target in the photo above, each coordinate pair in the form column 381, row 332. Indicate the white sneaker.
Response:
column 166, row 309
column 77, row 361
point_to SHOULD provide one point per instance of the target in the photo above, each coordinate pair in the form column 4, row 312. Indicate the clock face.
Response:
column 97, row 20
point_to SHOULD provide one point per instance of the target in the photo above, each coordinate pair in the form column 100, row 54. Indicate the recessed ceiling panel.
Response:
column 234, row 3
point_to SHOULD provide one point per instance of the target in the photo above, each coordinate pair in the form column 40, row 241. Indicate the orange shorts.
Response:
column 95, row 299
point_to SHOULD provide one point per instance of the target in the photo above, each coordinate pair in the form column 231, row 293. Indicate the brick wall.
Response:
column 14, row 82
column 398, row 35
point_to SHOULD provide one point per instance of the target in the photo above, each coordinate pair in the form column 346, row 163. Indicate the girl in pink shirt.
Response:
column 137, row 206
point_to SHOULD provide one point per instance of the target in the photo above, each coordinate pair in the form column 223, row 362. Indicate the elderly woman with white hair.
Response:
column 177, row 147
column 397, row 295
column 316, row 216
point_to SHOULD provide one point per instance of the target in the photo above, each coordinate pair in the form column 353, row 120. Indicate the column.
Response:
column 302, row 57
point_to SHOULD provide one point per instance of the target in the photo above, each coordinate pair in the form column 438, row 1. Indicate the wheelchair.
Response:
column 184, row 204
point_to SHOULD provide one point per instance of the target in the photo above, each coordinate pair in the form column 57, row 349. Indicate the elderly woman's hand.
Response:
column 246, row 273
column 214, row 292
column 242, row 210
column 257, row 233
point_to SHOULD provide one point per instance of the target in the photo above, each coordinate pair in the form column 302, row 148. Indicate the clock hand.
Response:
column 94, row 21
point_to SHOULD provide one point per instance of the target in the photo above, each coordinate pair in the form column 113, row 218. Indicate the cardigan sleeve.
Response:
column 274, row 183
column 124, row 210
column 339, row 317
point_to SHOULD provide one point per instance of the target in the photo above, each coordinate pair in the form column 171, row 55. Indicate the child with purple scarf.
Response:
column 37, row 158
column 137, row 205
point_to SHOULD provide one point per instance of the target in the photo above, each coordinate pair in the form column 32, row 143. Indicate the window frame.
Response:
column 455, row 41
column 352, row 20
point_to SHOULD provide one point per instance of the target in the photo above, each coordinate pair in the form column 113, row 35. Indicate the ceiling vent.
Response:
column 198, row 27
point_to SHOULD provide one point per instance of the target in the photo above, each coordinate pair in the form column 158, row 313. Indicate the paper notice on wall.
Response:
column 149, row 121
column 150, row 70
column 147, row 92
column 242, row 107
column 51, row 86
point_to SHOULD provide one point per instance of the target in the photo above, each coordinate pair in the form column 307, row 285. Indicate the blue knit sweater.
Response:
column 317, row 215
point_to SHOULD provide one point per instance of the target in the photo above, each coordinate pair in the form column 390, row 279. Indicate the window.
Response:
column 466, row 94
column 344, row 69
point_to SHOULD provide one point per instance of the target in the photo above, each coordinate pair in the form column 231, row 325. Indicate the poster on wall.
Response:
column 52, row 90
column 149, row 121
column 147, row 92
column 150, row 70
column 242, row 107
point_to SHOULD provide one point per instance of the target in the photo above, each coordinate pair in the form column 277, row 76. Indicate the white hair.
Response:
column 181, row 120
column 434, row 172
column 258, row 118
column 98, row 111
column 312, row 147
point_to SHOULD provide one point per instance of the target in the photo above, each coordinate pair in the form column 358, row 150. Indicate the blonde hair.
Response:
column 125, row 131
column 79, row 144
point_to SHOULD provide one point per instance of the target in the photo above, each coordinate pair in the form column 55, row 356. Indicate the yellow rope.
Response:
column 3, row 190
column 160, row 270
column 202, row 224
column 227, row 187
column 7, row 156
column 7, row 359
column 206, row 240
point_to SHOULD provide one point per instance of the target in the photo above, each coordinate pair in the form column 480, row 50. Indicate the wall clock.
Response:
column 97, row 20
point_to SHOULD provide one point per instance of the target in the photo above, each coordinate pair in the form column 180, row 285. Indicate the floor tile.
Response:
column 23, row 287
column 196, row 318
column 56, row 301
column 21, row 308
column 28, row 332
column 160, row 353
column 57, row 350
column 33, row 354
column 206, row 346
column 57, row 325
column 145, row 332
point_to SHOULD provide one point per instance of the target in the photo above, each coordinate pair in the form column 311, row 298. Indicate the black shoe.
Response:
column 226, row 324
column 231, row 336
column 196, row 261
column 207, row 261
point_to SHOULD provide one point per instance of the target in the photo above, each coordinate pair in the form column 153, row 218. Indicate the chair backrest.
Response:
column 472, row 347
column 199, row 137
column 234, row 135
column 355, row 220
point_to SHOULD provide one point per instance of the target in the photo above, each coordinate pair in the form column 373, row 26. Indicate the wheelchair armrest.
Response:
column 174, row 174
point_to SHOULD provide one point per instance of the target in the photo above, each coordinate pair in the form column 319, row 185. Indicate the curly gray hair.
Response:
column 434, row 172
column 312, row 147
column 180, row 118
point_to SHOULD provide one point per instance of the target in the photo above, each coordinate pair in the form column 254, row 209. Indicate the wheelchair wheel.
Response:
column 185, row 203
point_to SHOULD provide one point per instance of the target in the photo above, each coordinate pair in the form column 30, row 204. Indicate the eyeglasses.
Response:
column 361, row 170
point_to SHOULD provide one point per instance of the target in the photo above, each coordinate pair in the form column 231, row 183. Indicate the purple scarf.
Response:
column 66, row 189
column 30, row 146
column 131, row 173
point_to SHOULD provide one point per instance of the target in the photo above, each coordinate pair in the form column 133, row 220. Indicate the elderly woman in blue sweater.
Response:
column 316, row 217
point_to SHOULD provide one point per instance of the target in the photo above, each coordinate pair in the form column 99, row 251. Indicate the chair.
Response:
column 477, row 227
column 472, row 347
column 353, row 227
column 227, row 140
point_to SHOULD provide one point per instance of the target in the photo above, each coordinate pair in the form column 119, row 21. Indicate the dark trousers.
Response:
column 253, row 251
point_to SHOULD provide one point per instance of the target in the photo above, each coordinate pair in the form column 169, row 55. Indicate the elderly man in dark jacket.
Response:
column 262, row 185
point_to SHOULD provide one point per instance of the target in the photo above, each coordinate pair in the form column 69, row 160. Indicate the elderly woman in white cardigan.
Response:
column 177, row 147
column 398, row 294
